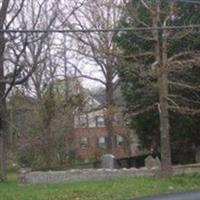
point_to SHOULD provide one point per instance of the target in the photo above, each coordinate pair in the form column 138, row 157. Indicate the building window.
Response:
column 117, row 119
column 84, row 142
column 119, row 140
column 83, row 120
column 102, row 142
column 100, row 121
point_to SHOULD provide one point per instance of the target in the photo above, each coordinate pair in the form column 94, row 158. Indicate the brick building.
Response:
column 86, row 134
column 89, row 138
column 90, row 133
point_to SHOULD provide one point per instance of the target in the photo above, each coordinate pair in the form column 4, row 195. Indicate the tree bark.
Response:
column 3, row 128
column 3, row 172
column 166, row 164
column 70, row 145
column 109, row 114
column 161, row 51
column 3, row 121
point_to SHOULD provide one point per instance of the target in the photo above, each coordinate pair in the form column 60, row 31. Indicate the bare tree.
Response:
column 4, row 24
column 158, row 64
column 99, row 49
column 14, row 70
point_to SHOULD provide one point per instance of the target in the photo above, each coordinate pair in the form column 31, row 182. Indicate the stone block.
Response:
column 108, row 161
column 152, row 163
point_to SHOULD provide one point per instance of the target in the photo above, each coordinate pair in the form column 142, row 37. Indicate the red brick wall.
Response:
column 92, row 151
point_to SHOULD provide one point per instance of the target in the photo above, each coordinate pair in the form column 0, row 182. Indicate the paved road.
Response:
column 176, row 196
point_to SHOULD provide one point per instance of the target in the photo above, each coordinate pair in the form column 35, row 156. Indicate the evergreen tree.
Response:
column 140, row 84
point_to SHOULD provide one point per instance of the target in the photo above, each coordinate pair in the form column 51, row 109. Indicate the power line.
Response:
column 188, row 1
column 136, row 29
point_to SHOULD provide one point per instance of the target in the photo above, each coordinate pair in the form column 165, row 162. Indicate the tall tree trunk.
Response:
column 70, row 146
column 3, row 168
column 161, row 51
column 164, row 126
column 3, row 121
column 3, row 130
column 109, row 115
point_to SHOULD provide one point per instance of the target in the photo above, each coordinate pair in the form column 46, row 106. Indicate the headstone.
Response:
column 197, row 155
column 151, row 163
column 22, row 174
column 108, row 161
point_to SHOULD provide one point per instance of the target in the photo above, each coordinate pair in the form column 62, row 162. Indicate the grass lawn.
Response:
column 119, row 189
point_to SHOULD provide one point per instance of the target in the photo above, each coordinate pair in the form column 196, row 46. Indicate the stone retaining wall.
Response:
column 81, row 175
column 97, row 174
column 186, row 169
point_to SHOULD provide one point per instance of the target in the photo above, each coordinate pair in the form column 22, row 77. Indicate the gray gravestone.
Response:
column 197, row 155
column 108, row 161
column 151, row 162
